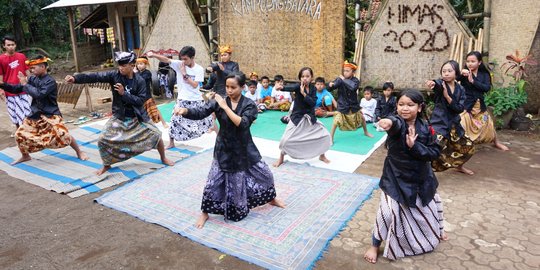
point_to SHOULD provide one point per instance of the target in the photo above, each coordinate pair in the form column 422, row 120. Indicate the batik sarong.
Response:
column 455, row 151
column 478, row 125
column 232, row 194
column 122, row 140
column 183, row 129
column 48, row 132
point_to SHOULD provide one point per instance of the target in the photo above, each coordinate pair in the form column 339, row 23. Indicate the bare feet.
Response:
column 464, row 170
column 167, row 162
column 103, row 170
column 201, row 221
column 500, row 146
column 444, row 236
column 324, row 159
column 24, row 158
column 371, row 254
column 82, row 155
column 165, row 124
column 171, row 145
column 279, row 161
column 368, row 134
column 277, row 202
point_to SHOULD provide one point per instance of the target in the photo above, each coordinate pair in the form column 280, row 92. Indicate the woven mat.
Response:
column 319, row 203
column 61, row 171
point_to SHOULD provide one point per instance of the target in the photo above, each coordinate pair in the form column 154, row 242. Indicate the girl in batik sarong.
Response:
column 457, row 147
column 44, row 127
column 476, row 120
column 305, row 137
column 410, row 215
column 129, row 132
column 239, row 179
column 349, row 116
column 189, row 76
column 149, row 105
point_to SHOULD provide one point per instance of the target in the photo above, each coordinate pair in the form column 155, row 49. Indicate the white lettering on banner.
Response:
column 311, row 8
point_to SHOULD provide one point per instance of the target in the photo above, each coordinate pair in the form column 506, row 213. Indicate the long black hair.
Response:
column 482, row 67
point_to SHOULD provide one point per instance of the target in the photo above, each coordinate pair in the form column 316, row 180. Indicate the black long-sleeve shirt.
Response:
column 407, row 172
column 147, row 76
column 44, row 93
column 476, row 90
column 234, row 149
column 128, row 105
column 302, row 105
column 385, row 107
column 445, row 115
column 347, row 94
column 217, row 79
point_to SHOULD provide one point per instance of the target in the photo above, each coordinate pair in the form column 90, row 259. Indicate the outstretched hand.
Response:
column 385, row 124
column 69, row 79
column 411, row 137
column 430, row 84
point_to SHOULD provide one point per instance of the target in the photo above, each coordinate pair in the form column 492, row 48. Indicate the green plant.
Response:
column 504, row 99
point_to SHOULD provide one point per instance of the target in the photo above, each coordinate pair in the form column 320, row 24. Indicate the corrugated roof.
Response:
column 72, row 3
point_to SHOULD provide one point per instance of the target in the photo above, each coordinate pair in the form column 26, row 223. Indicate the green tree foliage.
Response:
column 30, row 25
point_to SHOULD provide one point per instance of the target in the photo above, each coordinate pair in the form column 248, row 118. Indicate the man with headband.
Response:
column 129, row 132
column 44, row 127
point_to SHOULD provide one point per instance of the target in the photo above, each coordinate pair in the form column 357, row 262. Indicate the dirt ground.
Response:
column 492, row 220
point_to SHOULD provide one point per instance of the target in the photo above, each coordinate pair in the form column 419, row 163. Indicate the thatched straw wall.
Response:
column 280, row 37
column 409, row 42
column 175, row 28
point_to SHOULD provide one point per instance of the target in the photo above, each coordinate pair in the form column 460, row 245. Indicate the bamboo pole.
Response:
column 73, row 39
column 461, row 48
column 360, row 53
column 470, row 45
column 487, row 26
column 453, row 48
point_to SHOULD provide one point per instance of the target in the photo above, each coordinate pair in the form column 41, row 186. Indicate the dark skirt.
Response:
column 454, row 151
column 232, row 194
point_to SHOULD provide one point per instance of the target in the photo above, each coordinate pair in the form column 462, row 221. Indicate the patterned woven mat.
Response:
column 319, row 203
column 59, row 170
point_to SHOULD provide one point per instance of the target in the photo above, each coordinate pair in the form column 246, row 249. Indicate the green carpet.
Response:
column 268, row 126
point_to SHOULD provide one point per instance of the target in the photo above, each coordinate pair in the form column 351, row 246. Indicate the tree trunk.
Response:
column 18, row 31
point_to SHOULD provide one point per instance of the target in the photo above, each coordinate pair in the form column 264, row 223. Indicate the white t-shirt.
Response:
column 368, row 108
column 253, row 97
column 185, row 90
column 281, row 95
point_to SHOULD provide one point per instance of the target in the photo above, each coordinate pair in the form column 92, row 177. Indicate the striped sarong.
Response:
column 406, row 230
column 34, row 135
column 18, row 107
column 152, row 110
column 122, row 140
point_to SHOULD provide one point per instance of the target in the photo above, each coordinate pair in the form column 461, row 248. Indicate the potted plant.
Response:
column 504, row 100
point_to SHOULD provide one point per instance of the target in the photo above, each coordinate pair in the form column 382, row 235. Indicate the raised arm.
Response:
column 80, row 78
column 161, row 58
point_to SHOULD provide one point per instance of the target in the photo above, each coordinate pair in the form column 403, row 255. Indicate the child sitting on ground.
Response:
column 326, row 104
column 279, row 100
column 265, row 95
column 368, row 104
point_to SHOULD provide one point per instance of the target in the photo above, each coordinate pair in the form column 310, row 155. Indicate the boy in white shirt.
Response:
column 189, row 77
column 368, row 104
column 281, row 100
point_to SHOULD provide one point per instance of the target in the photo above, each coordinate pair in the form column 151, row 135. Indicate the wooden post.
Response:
column 118, row 32
column 210, row 27
column 88, row 98
column 73, row 39
column 487, row 26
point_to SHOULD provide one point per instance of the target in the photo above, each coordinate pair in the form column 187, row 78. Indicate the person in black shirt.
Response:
column 44, row 127
column 305, row 137
column 476, row 120
column 349, row 116
column 129, row 132
column 239, row 179
column 149, row 105
column 410, row 207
